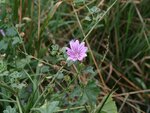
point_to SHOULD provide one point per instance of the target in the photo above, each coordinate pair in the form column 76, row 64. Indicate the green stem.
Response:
column 18, row 103
column 74, row 108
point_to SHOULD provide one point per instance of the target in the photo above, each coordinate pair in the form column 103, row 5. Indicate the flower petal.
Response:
column 82, row 57
column 83, row 49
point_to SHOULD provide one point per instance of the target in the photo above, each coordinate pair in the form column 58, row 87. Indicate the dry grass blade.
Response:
column 126, row 97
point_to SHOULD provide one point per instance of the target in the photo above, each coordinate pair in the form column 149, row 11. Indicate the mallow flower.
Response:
column 77, row 51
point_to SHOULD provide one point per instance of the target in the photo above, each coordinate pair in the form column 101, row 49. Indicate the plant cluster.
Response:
column 74, row 56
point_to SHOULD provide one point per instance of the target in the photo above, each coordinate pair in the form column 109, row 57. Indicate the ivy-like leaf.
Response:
column 89, row 70
column 107, row 105
column 94, row 9
column 48, row 107
column 9, row 109
column 88, row 18
column 44, row 69
column 55, row 49
column 3, row 45
column 90, row 93
column 16, row 40
column 23, row 62
column 18, row 86
column 11, row 32
column 59, row 75
column 3, row 66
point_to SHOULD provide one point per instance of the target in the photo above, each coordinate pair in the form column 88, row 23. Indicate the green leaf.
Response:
column 11, row 32
column 59, row 75
column 76, row 92
column 94, row 9
column 18, row 86
column 55, row 49
column 107, row 104
column 63, row 50
column 3, row 45
column 3, row 66
column 90, row 93
column 44, row 69
column 15, row 75
column 9, row 109
column 23, row 62
column 5, row 73
column 88, row 18
column 48, row 107
column 89, row 70
column 16, row 40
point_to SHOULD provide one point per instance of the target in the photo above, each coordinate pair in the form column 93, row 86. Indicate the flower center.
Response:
column 76, row 54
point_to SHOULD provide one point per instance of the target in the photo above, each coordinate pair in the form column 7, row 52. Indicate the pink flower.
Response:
column 77, row 51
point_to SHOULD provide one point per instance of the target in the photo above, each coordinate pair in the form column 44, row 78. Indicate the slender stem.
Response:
column 74, row 108
column 39, row 27
column 78, row 20
column 32, row 8
column 29, row 77
column 20, row 14
column 4, row 100
column 133, row 93
column 126, row 97
column 78, row 73
column 18, row 103
column 39, row 13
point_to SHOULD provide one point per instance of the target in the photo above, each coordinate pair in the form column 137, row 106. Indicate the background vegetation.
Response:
column 35, row 75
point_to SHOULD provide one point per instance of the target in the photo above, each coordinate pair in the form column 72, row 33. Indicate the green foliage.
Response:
column 35, row 75
column 9, row 109
column 55, row 49
column 109, row 106
column 21, row 63
column 87, row 94
column 48, row 107
column 11, row 32
column 3, row 45
column 106, row 106
column 90, row 70
column 10, row 41
column 90, row 93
